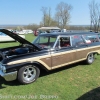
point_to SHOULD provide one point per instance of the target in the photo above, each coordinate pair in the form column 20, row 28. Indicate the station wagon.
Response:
column 48, row 51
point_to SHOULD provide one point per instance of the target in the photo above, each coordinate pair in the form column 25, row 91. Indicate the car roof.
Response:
column 68, row 33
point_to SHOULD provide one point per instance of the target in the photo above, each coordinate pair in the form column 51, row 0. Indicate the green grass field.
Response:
column 78, row 81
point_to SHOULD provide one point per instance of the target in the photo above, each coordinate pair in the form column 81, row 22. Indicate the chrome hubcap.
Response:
column 90, row 58
column 29, row 73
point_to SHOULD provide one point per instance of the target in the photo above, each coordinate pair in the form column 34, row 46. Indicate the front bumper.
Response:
column 9, row 76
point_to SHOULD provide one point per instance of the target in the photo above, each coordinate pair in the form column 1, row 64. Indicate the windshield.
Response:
column 45, row 41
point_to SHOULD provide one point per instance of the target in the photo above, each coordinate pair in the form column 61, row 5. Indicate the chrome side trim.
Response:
column 9, row 76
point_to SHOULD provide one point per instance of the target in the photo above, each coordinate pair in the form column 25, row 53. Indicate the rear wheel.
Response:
column 28, row 74
column 90, row 58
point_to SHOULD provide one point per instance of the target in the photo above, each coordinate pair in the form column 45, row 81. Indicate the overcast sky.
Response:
column 26, row 12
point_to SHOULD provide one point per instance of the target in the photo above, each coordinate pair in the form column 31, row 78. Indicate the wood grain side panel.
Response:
column 47, row 61
column 57, row 59
column 82, row 53
column 68, row 57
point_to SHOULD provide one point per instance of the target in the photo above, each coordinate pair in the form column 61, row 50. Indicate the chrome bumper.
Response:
column 9, row 76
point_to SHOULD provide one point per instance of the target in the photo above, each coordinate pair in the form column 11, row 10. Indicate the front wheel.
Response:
column 90, row 58
column 28, row 74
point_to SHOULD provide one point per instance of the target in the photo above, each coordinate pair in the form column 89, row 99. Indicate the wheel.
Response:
column 90, row 58
column 28, row 74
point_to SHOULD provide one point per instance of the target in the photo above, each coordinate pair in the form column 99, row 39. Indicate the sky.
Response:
column 25, row 12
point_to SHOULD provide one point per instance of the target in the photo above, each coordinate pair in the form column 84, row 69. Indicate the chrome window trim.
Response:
column 84, row 38
column 71, row 41
column 56, row 42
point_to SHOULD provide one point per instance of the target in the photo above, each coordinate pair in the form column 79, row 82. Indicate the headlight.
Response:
column 3, row 68
column 0, row 66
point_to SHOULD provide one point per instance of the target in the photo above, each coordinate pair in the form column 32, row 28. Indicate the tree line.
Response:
column 62, row 17
column 94, row 16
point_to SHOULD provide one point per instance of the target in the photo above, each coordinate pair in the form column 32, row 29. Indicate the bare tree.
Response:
column 49, row 15
column 47, row 19
column 94, row 15
column 44, row 11
column 63, row 14
column 57, row 19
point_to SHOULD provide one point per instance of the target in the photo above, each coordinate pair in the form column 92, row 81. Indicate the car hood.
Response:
column 18, row 38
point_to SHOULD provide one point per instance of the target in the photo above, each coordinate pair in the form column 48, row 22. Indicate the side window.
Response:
column 63, row 42
column 77, row 40
column 52, row 41
column 92, row 38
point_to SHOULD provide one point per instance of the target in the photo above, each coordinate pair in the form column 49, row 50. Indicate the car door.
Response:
column 56, row 57
column 81, row 47
column 62, row 54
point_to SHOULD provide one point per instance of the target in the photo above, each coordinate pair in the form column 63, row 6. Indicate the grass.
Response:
column 77, row 81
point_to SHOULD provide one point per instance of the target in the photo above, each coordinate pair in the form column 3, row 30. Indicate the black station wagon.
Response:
column 48, row 52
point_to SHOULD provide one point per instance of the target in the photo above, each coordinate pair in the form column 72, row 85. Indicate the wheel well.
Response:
column 92, row 52
column 96, row 53
column 37, row 64
column 40, row 66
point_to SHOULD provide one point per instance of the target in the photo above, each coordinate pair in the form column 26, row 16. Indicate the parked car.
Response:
column 48, row 52
column 5, row 38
